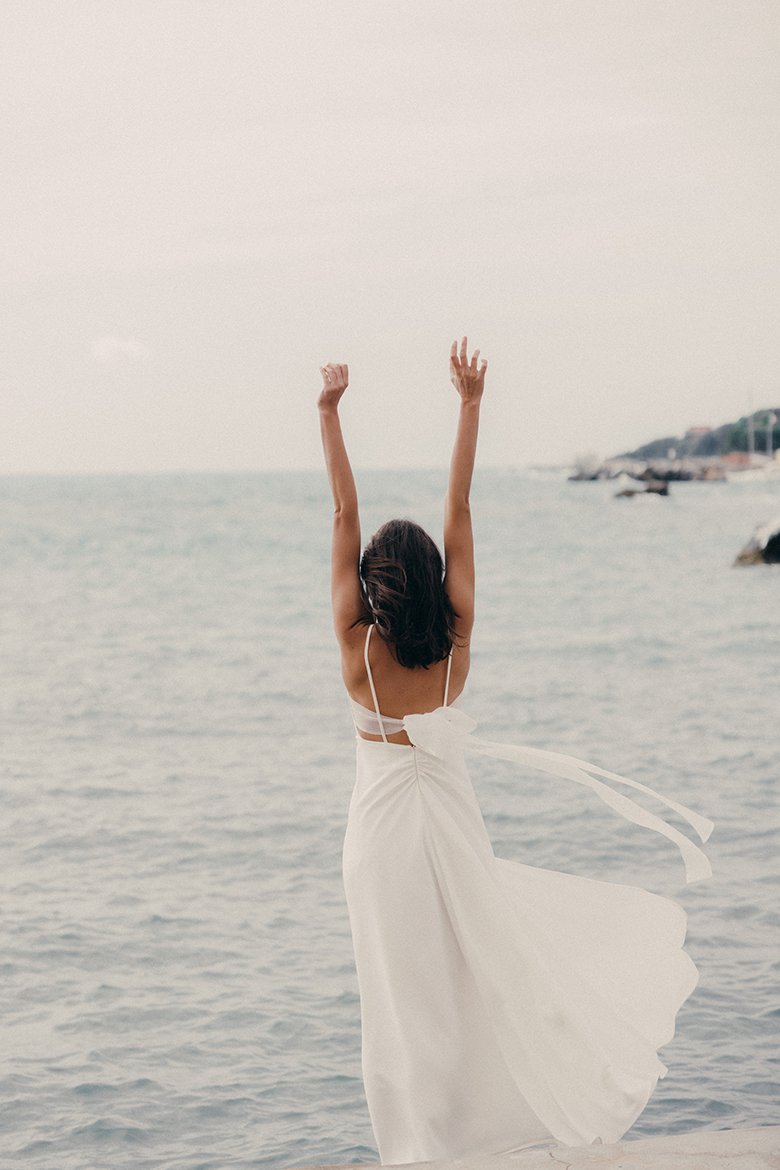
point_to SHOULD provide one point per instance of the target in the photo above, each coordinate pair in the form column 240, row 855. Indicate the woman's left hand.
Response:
column 335, row 379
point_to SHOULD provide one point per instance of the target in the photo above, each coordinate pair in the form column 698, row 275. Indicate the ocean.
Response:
column 176, row 759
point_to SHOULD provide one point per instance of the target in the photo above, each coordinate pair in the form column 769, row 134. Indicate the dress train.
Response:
column 502, row 1004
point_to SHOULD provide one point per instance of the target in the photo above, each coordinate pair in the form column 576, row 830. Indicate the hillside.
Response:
column 702, row 443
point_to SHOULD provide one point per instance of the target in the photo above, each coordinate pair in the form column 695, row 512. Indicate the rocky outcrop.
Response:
column 659, row 470
column 656, row 487
column 763, row 548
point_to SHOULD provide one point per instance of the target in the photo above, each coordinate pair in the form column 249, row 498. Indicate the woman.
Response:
column 501, row 1004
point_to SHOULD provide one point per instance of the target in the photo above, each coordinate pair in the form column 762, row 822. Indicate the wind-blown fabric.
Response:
column 502, row 1004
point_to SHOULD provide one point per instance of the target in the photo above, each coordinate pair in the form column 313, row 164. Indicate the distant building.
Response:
column 697, row 432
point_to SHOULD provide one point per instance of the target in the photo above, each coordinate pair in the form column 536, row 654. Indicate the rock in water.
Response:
column 654, row 487
column 764, row 546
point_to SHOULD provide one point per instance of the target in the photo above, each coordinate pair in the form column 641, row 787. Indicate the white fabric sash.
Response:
column 447, row 732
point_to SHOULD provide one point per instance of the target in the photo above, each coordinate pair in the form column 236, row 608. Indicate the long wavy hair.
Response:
column 403, row 578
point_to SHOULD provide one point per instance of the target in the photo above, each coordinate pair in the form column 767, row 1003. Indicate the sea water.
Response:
column 176, row 973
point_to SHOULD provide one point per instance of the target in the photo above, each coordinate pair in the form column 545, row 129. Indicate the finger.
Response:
column 344, row 371
column 324, row 372
column 474, row 357
column 454, row 355
column 463, row 350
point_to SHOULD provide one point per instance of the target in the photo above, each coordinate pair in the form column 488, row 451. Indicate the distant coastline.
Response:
column 702, row 453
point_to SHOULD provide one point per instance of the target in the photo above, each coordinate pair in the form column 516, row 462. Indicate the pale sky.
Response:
column 205, row 200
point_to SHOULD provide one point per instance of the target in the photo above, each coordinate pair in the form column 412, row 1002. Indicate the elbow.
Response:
column 344, row 512
column 458, row 504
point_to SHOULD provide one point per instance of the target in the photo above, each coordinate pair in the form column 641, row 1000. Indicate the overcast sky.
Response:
column 204, row 200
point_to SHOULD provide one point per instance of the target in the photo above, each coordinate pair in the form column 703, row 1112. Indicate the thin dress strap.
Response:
column 371, row 684
column 447, row 684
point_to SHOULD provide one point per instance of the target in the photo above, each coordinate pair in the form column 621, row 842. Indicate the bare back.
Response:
column 401, row 690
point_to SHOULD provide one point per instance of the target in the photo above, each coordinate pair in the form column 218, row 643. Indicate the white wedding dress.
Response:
column 502, row 1004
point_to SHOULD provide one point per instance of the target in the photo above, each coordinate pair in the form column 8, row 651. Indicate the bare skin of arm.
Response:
column 468, row 378
column 346, row 593
column 401, row 689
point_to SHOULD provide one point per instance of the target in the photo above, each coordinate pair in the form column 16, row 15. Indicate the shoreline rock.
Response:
column 655, row 487
column 763, row 548
column 656, row 471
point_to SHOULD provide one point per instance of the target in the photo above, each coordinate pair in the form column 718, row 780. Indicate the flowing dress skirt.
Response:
column 501, row 1004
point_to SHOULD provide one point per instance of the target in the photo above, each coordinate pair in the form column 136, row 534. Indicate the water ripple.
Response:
column 177, row 985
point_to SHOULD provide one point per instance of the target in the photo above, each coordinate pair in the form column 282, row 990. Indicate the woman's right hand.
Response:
column 335, row 379
column 467, row 379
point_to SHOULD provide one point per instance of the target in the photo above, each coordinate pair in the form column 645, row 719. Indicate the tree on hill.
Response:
column 721, row 440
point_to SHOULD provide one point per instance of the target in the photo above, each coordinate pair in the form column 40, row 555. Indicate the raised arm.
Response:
column 346, row 593
column 469, row 380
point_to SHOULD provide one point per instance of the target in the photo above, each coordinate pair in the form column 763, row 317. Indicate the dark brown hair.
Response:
column 403, row 576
